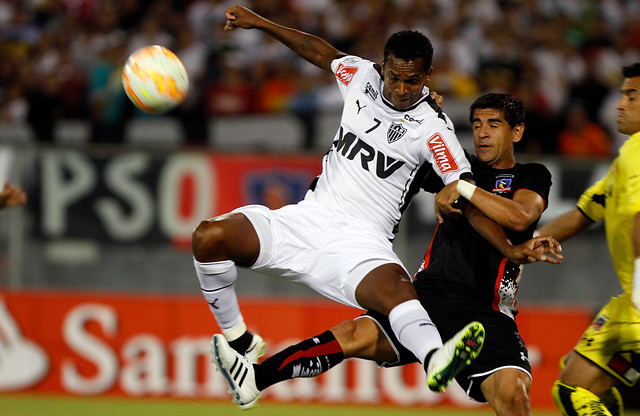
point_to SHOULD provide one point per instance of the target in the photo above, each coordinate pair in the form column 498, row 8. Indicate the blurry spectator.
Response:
column 110, row 109
column 304, row 105
column 14, row 107
column 590, row 90
column 44, row 107
column 73, row 86
column 231, row 94
column 541, row 119
column 150, row 33
column 277, row 88
column 581, row 137
column 191, row 112
column 447, row 80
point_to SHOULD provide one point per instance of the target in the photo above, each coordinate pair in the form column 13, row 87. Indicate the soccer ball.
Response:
column 155, row 79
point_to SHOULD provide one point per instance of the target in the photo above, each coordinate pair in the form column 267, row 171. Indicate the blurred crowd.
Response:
column 563, row 58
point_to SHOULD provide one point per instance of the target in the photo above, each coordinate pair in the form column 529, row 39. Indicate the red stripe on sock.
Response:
column 332, row 347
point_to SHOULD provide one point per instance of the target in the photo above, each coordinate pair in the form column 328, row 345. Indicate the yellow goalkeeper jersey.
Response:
column 616, row 199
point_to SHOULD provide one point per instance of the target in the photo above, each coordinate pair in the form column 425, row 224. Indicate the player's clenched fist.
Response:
column 239, row 16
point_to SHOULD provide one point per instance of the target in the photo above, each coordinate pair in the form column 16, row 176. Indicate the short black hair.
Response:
column 512, row 108
column 409, row 45
column 631, row 71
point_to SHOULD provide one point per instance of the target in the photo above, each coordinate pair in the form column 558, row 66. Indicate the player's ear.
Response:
column 427, row 77
column 518, row 131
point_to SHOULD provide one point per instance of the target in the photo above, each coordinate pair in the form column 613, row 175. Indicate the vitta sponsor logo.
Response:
column 346, row 73
column 443, row 157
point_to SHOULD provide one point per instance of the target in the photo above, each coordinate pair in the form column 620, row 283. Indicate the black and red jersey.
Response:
column 461, row 264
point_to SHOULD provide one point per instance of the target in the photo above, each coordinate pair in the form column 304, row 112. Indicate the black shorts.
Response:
column 503, row 347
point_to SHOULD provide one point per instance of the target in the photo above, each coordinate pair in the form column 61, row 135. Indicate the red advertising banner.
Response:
column 137, row 345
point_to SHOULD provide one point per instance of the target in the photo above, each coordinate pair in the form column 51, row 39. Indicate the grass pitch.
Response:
column 36, row 405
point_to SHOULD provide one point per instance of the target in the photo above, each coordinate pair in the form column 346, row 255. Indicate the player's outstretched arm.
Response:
column 566, row 225
column 310, row 47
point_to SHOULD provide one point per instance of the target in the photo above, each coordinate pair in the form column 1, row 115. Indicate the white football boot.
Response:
column 237, row 371
column 455, row 355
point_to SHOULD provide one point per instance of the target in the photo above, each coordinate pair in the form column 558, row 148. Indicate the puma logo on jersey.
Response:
column 348, row 146
column 359, row 107
column 346, row 73
column 443, row 157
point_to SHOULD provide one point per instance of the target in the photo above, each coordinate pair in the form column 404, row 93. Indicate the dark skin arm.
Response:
column 310, row 47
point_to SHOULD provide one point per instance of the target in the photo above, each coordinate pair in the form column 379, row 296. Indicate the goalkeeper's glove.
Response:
column 635, row 293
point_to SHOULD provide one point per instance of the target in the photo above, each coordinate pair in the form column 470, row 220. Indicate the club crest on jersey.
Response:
column 441, row 153
column 599, row 322
column 346, row 73
column 503, row 184
column 395, row 132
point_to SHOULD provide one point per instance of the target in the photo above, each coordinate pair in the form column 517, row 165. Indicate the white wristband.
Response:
column 636, row 274
column 465, row 189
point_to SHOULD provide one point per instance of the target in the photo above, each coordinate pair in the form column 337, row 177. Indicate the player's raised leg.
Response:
column 219, row 244
column 388, row 290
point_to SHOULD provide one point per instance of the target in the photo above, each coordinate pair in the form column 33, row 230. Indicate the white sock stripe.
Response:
column 217, row 289
column 410, row 323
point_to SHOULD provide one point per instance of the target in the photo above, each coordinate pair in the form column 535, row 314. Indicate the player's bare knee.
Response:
column 345, row 335
column 207, row 240
column 513, row 401
column 357, row 337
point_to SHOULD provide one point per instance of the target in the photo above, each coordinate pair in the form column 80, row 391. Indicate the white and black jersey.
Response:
column 381, row 154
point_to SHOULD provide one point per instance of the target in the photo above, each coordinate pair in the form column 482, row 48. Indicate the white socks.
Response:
column 414, row 329
column 217, row 282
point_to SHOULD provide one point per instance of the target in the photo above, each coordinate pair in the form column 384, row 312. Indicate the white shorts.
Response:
column 325, row 250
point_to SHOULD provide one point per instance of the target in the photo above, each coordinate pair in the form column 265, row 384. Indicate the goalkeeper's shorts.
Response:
column 612, row 341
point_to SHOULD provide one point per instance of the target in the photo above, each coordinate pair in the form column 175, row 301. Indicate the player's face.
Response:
column 493, row 138
column 404, row 81
column 629, row 106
